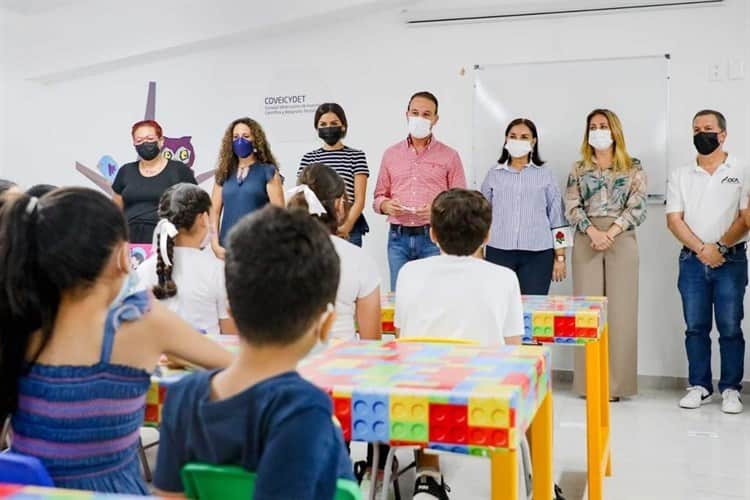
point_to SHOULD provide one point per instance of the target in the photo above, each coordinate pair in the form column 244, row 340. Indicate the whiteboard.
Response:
column 558, row 95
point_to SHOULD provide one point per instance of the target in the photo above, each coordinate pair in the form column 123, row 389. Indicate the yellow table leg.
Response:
column 540, row 432
column 504, row 471
column 604, row 381
column 593, row 419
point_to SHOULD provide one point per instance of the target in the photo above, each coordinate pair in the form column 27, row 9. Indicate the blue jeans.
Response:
column 403, row 248
column 720, row 292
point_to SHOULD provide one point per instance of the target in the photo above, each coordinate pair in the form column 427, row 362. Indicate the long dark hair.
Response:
column 181, row 204
column 228, row 161
column 327, row 186
column 42, row 256
column 535, row 158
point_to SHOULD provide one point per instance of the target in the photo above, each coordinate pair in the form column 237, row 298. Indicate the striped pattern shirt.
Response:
column 83, row 422
column 415, row 179
column 526, row 206
column 347, row 162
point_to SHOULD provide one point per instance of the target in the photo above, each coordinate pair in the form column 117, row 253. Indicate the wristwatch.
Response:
column 560, row 258
column 723, row 249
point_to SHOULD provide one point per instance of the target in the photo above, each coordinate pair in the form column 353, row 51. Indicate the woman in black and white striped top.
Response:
column 349, row 163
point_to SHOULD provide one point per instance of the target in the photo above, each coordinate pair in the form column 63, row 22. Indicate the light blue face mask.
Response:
column 129, row 286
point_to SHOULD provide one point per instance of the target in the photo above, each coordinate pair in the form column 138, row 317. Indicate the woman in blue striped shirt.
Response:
column 529, row 232
column 349, row 163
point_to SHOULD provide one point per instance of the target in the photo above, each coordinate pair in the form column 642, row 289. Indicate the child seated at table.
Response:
column 75, row 352
column 282, row 272
column 186, row 278
column 322, row 192
column 457, row 294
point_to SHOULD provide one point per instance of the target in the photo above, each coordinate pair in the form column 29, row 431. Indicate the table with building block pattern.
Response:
column 568, row 320
column 26, row 492
column 452, row 398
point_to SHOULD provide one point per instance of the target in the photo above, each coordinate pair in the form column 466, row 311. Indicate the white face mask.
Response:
column 518, row 148
column 600, row 138
column 419, row 127
column 321, row 345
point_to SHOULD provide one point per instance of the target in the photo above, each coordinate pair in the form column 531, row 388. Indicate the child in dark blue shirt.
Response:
column 282, row 273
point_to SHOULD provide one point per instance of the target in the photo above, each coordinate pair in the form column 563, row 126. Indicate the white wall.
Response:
column 370, row 63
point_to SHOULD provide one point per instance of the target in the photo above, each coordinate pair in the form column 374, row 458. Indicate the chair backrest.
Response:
column 23, row 469
column 438, row 340
column 229, row 482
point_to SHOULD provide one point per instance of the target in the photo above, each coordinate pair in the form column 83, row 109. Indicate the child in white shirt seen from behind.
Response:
column 457, row 294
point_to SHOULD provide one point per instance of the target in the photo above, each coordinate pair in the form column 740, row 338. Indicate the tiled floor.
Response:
column 659, row 452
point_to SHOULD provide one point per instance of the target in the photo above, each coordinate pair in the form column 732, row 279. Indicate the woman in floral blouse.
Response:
column 605, row 201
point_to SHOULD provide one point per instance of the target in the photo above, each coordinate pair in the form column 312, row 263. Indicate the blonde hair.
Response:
column 622, row 161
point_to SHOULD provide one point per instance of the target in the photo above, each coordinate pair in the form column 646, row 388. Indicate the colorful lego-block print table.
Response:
column 450, row 397
column 18, row 492
column 568, row 320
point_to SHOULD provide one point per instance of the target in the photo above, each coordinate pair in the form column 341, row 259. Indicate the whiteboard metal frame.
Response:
column 653, row 198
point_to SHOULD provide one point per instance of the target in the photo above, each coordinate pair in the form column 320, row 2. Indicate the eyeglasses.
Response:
column 148, row 138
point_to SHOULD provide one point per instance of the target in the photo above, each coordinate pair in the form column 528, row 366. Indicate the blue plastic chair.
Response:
column 23, row 469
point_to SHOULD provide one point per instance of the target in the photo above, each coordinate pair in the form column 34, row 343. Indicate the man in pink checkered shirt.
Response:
column 412, row 173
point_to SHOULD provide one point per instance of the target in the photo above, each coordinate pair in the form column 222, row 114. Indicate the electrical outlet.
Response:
column 736, row 68
column 714, row 72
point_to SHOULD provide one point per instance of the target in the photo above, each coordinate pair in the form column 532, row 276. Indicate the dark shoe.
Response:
column 360, row 468
column 558, row 493
column 427, row 488
column 615, row 399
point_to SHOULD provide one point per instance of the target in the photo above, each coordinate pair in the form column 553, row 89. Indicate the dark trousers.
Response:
column 534, row 269
column 719, row 293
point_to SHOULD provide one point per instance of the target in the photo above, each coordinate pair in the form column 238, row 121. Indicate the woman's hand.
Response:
column 559, row 270
column 344, row 230
column 219, row 250
column 600, row 240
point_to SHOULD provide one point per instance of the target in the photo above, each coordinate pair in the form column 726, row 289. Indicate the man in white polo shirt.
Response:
column 706, row 201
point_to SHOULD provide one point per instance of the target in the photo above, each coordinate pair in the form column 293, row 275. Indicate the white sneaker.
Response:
column 731, row 401
column 366, row 484
column 695, row 397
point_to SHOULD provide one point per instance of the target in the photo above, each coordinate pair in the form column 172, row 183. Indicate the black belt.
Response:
column 411, row 230
column 739, row 247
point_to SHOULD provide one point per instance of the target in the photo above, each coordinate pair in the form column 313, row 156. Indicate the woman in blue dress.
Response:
column 247, row 178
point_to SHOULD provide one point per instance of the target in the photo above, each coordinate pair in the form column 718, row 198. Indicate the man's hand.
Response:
column 392, row 208
column 424, row 211
column 709, row 255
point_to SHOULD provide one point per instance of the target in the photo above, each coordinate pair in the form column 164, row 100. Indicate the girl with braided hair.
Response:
column 188, row 279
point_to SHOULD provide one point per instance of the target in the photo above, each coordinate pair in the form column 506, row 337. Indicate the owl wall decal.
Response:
column 175, row 148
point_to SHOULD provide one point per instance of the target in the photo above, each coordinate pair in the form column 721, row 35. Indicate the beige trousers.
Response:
column 614, row 274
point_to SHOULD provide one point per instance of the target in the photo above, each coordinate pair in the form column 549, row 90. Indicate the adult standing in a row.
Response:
column 139, row 185
column 706, row 202
column 247, row 178
column 605, row 202
column 412, row 173
column 529, row 232
column 351, row 165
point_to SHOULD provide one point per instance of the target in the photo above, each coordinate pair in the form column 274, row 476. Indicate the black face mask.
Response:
column 331, row 135
column 706, row 142
column 148, row 150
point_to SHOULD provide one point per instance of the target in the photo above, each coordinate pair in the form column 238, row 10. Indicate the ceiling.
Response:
column 32, row 7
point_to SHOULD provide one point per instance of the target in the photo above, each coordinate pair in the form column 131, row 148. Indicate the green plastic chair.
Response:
column 229, row 482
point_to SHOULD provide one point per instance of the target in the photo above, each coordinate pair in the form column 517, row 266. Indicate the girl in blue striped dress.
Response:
column 529, row 232
column 75, row 355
